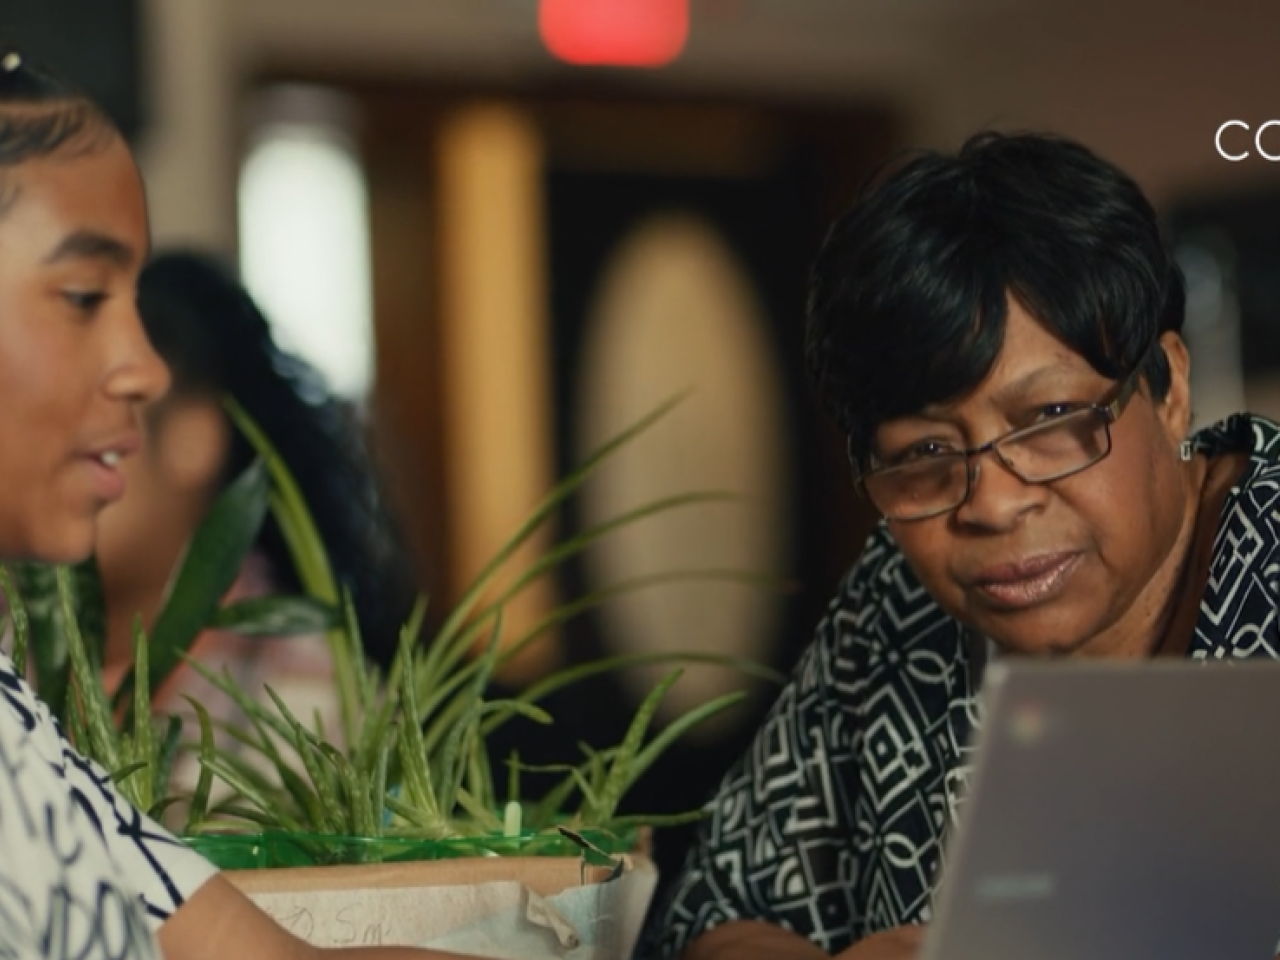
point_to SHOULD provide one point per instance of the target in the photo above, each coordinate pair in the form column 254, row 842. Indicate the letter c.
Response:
column 1217, row 140
column 1257, row 141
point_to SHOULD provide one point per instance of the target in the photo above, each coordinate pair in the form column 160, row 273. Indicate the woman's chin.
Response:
column 1048, row 649
column 1048, row 631
column 63, row 547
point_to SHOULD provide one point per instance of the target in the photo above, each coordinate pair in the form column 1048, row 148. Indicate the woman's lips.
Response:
column 1027, row 583
column 106, row 478
column 104, row 461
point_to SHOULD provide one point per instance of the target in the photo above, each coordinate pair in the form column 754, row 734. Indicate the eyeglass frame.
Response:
column 1109, row 410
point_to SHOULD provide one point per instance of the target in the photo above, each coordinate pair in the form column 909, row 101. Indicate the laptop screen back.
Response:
column 1119, row 812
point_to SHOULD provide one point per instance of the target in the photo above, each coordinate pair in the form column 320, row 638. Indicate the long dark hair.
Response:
column 217, row 342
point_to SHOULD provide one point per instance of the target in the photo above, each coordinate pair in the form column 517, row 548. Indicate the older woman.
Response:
column 82, row 874
column 997, row 333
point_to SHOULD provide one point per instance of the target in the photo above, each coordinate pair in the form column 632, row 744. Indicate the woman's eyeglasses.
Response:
column 1041, row 453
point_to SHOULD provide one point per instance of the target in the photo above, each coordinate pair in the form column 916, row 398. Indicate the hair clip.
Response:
column 11, row 62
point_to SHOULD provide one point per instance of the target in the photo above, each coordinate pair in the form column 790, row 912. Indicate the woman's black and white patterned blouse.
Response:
column 82, row 874
column 832, row 824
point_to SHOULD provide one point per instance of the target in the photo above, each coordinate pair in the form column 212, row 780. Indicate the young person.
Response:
column 82, row 874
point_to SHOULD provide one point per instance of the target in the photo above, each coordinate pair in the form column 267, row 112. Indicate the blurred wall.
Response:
column 1144, row 84
column 190, row 148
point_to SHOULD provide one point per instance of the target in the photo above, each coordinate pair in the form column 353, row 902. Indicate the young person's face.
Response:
column 75, row 362
column 1079, row 565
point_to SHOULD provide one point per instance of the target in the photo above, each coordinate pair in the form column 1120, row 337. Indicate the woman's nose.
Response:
column 998, row 498
column 138, row 373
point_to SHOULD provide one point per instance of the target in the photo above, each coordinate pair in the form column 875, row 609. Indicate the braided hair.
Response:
column 41, row 115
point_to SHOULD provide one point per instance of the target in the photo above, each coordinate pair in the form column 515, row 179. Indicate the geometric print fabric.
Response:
column 83, row 875
column 834, row 822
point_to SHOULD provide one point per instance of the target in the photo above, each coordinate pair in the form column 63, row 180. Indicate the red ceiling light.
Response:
column 616, row 33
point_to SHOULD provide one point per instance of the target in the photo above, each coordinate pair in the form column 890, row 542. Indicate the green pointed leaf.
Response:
column 619, row 777
column 306, row 550
column 563, row 552
column 127, row 771
column 378, row 785
column 47, row 633
column 168, row 751
column 89, row 697
column 276, row 617
column 18, row 617
column 478, row 811
column 413, row 815
column 199, row 808
column 456, row 622
column 579, row 672
column 590, row 601
column 91, row 610
column 156, row 810
column 143, row 732
column 209, row 567
column 551, row 804
column 677, row 729
column 415, row 777
column 251, row 708
column 268, row 803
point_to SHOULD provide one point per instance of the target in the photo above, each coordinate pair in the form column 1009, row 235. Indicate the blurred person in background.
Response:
column 998, row 334
column 217, row 343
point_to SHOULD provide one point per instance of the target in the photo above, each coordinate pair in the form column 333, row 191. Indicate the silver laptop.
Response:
column 1119, row 812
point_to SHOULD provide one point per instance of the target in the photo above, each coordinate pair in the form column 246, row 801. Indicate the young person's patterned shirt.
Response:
column 83, row 874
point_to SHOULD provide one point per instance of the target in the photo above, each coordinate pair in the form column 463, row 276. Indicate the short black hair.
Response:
column 41, row 114
column 216, row 343
column 908, row 294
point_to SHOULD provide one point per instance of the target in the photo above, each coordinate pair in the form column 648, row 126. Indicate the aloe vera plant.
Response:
column 139, row 754
column 414, row 760
column 59, row 629
column 411, row 758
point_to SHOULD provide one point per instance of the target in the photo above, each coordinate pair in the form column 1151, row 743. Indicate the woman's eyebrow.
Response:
column 92, row 245
column 1017, row 389
column 1008, row 393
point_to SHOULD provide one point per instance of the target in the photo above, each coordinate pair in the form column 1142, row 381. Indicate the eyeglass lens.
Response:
column 1048, row 451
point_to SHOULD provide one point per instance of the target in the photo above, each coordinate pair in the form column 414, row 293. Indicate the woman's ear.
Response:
column 1175, row 409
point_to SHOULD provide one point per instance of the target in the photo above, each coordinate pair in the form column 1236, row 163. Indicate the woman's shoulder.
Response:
column 1243, row 592
column 881, row 602
column 880, row 569
column 1253, row 433
column 1255, row 495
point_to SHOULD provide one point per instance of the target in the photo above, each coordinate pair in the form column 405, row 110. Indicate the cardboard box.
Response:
column 522, row 908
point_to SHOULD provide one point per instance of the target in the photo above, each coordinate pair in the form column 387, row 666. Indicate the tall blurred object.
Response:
column 94, row 43
column 1229, row 249
column 497, row 398
column 304, row 232
column 1212, row 330
column 676, row 310
column 614, row 33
